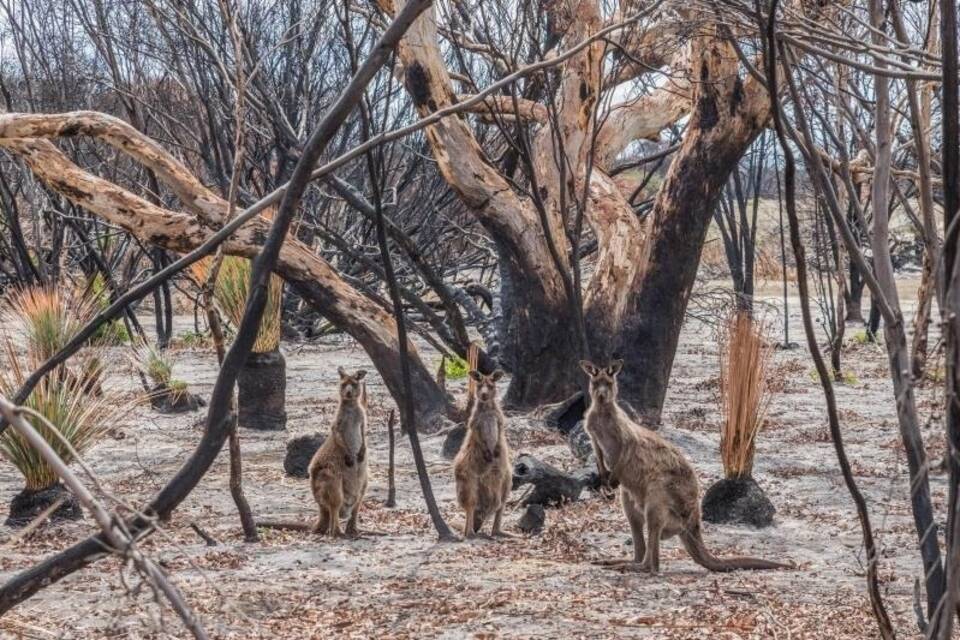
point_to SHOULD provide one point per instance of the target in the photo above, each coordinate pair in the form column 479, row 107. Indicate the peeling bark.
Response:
column 728, row 115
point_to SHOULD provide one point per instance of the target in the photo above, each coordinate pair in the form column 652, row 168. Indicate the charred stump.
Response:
column 551, row 486
column 453, row 441
column 737, row 501
column 30, row 503
column 533, row 519
column 170, row 400
column 262, row 390
column 566, row 415
column 579, row 442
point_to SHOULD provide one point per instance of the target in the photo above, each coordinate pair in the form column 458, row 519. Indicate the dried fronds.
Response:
column 744, row 394
column 230, row 294
column 69, row 404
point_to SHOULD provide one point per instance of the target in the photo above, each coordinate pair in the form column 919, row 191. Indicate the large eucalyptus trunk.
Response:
column 721, row 129
column 634, row 302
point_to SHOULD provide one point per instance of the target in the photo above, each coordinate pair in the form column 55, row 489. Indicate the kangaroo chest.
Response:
column 608, row 444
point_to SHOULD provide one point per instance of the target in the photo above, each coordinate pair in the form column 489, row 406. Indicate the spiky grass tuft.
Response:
column 157, row 365
column 79, row 415
column 744, row 395
column 48, row 317
column 230, row 294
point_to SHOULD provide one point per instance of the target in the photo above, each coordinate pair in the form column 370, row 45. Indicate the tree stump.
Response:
column 737, row 501
column 564, row 416
column 533, row 519
column 262, row 389
column 300, row 450
column 579, row 442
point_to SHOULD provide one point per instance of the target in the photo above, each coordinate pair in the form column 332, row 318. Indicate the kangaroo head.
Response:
column 486, row 385
column 351, row 385
column 603, row 380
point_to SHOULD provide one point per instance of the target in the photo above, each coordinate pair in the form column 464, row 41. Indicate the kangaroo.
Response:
column 482, row 468
column 658, row 486
column 338, row 470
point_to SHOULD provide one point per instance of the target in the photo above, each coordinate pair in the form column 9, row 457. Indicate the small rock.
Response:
column 300, row 451
column 533, row 519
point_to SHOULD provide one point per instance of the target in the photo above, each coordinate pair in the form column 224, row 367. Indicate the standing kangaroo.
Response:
column 338, row 470
column 658, row 487
column 482, row 467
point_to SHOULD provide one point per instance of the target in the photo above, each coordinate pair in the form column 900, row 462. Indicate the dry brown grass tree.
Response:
column 744, row 395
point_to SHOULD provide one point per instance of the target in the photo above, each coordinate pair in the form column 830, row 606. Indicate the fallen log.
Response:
column 551, row 486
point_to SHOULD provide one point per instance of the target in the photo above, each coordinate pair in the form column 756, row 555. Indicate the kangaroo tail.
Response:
column 693, row 542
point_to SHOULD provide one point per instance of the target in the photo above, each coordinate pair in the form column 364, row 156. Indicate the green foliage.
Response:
column 846, row 377
column 177, row 388
column 455, row 367
column 111, row 334
column 97, row 291
column 156, row 364
column 48, row 318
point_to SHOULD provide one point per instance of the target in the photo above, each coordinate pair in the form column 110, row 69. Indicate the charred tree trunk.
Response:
column 636, row 298
column 162, row 302
column 216, row 432
column 725, row 121
column 854, row 295
column 541, row 339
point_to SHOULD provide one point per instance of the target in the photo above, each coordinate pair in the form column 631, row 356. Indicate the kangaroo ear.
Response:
column 476, row 375
column 360, row 374
column 342, row 372
column 615, row 367
column 496, row 375
column 589, row 368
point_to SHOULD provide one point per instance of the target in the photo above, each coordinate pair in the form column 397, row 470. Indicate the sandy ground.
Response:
column 405, row 585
